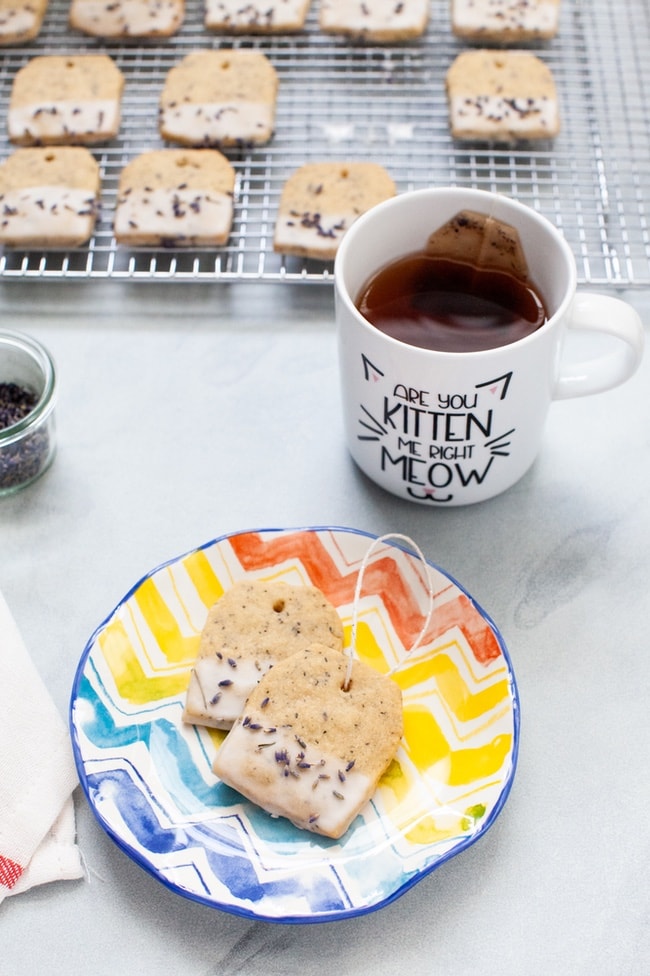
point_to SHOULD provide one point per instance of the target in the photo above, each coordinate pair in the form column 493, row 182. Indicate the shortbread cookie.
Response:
column 48, row 197
column 502, row 96
column 65, row 100
column 175, row 197
column 320, row 201
column 20, row 22
column 219, row 98
column 505, row 21
column 309, row 751
column 127, row 18
column 254, row 625
column 258, row 17
column 382, row 21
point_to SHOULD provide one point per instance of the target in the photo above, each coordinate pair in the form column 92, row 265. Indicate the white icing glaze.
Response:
column 46, row 213
column 311, row 230
column 219, row 705
column 496, row 15
column 18, row 21
column 211, row 124
column 378, row 15
column 136, row 18
column 483, row 115
column 174, row 214
column 288, row 778
column 237, row 13
column 59, row 119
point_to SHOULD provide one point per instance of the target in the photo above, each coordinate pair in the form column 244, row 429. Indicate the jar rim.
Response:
column 39, row 355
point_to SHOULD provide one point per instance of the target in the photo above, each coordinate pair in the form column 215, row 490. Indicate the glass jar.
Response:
column 27, row 444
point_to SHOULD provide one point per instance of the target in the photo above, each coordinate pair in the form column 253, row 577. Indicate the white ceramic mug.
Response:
column 453, row 428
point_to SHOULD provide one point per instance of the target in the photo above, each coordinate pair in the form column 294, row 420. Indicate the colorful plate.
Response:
column 148, row 777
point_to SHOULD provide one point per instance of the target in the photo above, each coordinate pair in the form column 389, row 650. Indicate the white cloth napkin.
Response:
column 37, row 774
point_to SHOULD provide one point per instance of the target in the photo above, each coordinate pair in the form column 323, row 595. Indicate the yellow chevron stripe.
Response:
column 216, row 736
column 367, row 647
column 396, row 780
column 132, row 684
column 431, row 829
column 456, row 647
column 203, row 577
column 427, row 746
column 395, row 788
column 426, row 827
column 175, row 647
column 466, row 705
column 428, row 831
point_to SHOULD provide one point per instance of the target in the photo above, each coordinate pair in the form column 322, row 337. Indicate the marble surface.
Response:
column 187, row 412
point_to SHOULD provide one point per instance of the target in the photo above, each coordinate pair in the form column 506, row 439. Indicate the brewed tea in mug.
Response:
column 462, row 419
column 453, row 306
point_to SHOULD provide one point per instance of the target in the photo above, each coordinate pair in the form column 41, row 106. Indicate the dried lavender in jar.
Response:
column 22, row 460
column 15, row 403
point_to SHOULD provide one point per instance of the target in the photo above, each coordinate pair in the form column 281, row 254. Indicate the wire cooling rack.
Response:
column 344, row 101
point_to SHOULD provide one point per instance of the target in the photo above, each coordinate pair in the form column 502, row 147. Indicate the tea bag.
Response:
column 480, row 240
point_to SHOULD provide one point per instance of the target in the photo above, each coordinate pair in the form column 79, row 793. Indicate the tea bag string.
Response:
column 397, row 536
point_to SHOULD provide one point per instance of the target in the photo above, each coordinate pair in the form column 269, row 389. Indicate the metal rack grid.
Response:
column 339, row 100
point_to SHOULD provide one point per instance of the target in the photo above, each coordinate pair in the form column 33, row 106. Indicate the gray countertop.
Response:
column 188, row 412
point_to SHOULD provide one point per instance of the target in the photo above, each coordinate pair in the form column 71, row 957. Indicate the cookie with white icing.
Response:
column 382, row 21
column 65, row 100
column 308, row 750
column 501, row 95
column 48, row 197
column 219, row 98
column 505, row 21
column 127, row 18
column 320, row 201
column 253, row 626
column 20, row 22
column 256, row 16
column 175, row 197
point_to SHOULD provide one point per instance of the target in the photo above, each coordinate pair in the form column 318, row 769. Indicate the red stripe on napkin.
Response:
column 10, row 872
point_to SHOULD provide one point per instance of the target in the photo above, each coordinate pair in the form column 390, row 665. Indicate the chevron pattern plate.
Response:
column 148, row 777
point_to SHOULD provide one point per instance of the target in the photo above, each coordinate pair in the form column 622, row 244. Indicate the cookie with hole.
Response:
column 254, row 625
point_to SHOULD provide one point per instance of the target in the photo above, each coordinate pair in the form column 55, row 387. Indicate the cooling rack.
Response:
column 339, row 100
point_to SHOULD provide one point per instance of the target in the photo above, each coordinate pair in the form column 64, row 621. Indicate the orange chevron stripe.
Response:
column 427, row 747
column 462, row 613
column 253, row 552
column 381, row 577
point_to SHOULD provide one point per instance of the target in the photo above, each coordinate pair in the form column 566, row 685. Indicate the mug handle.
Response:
column 593, row 312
